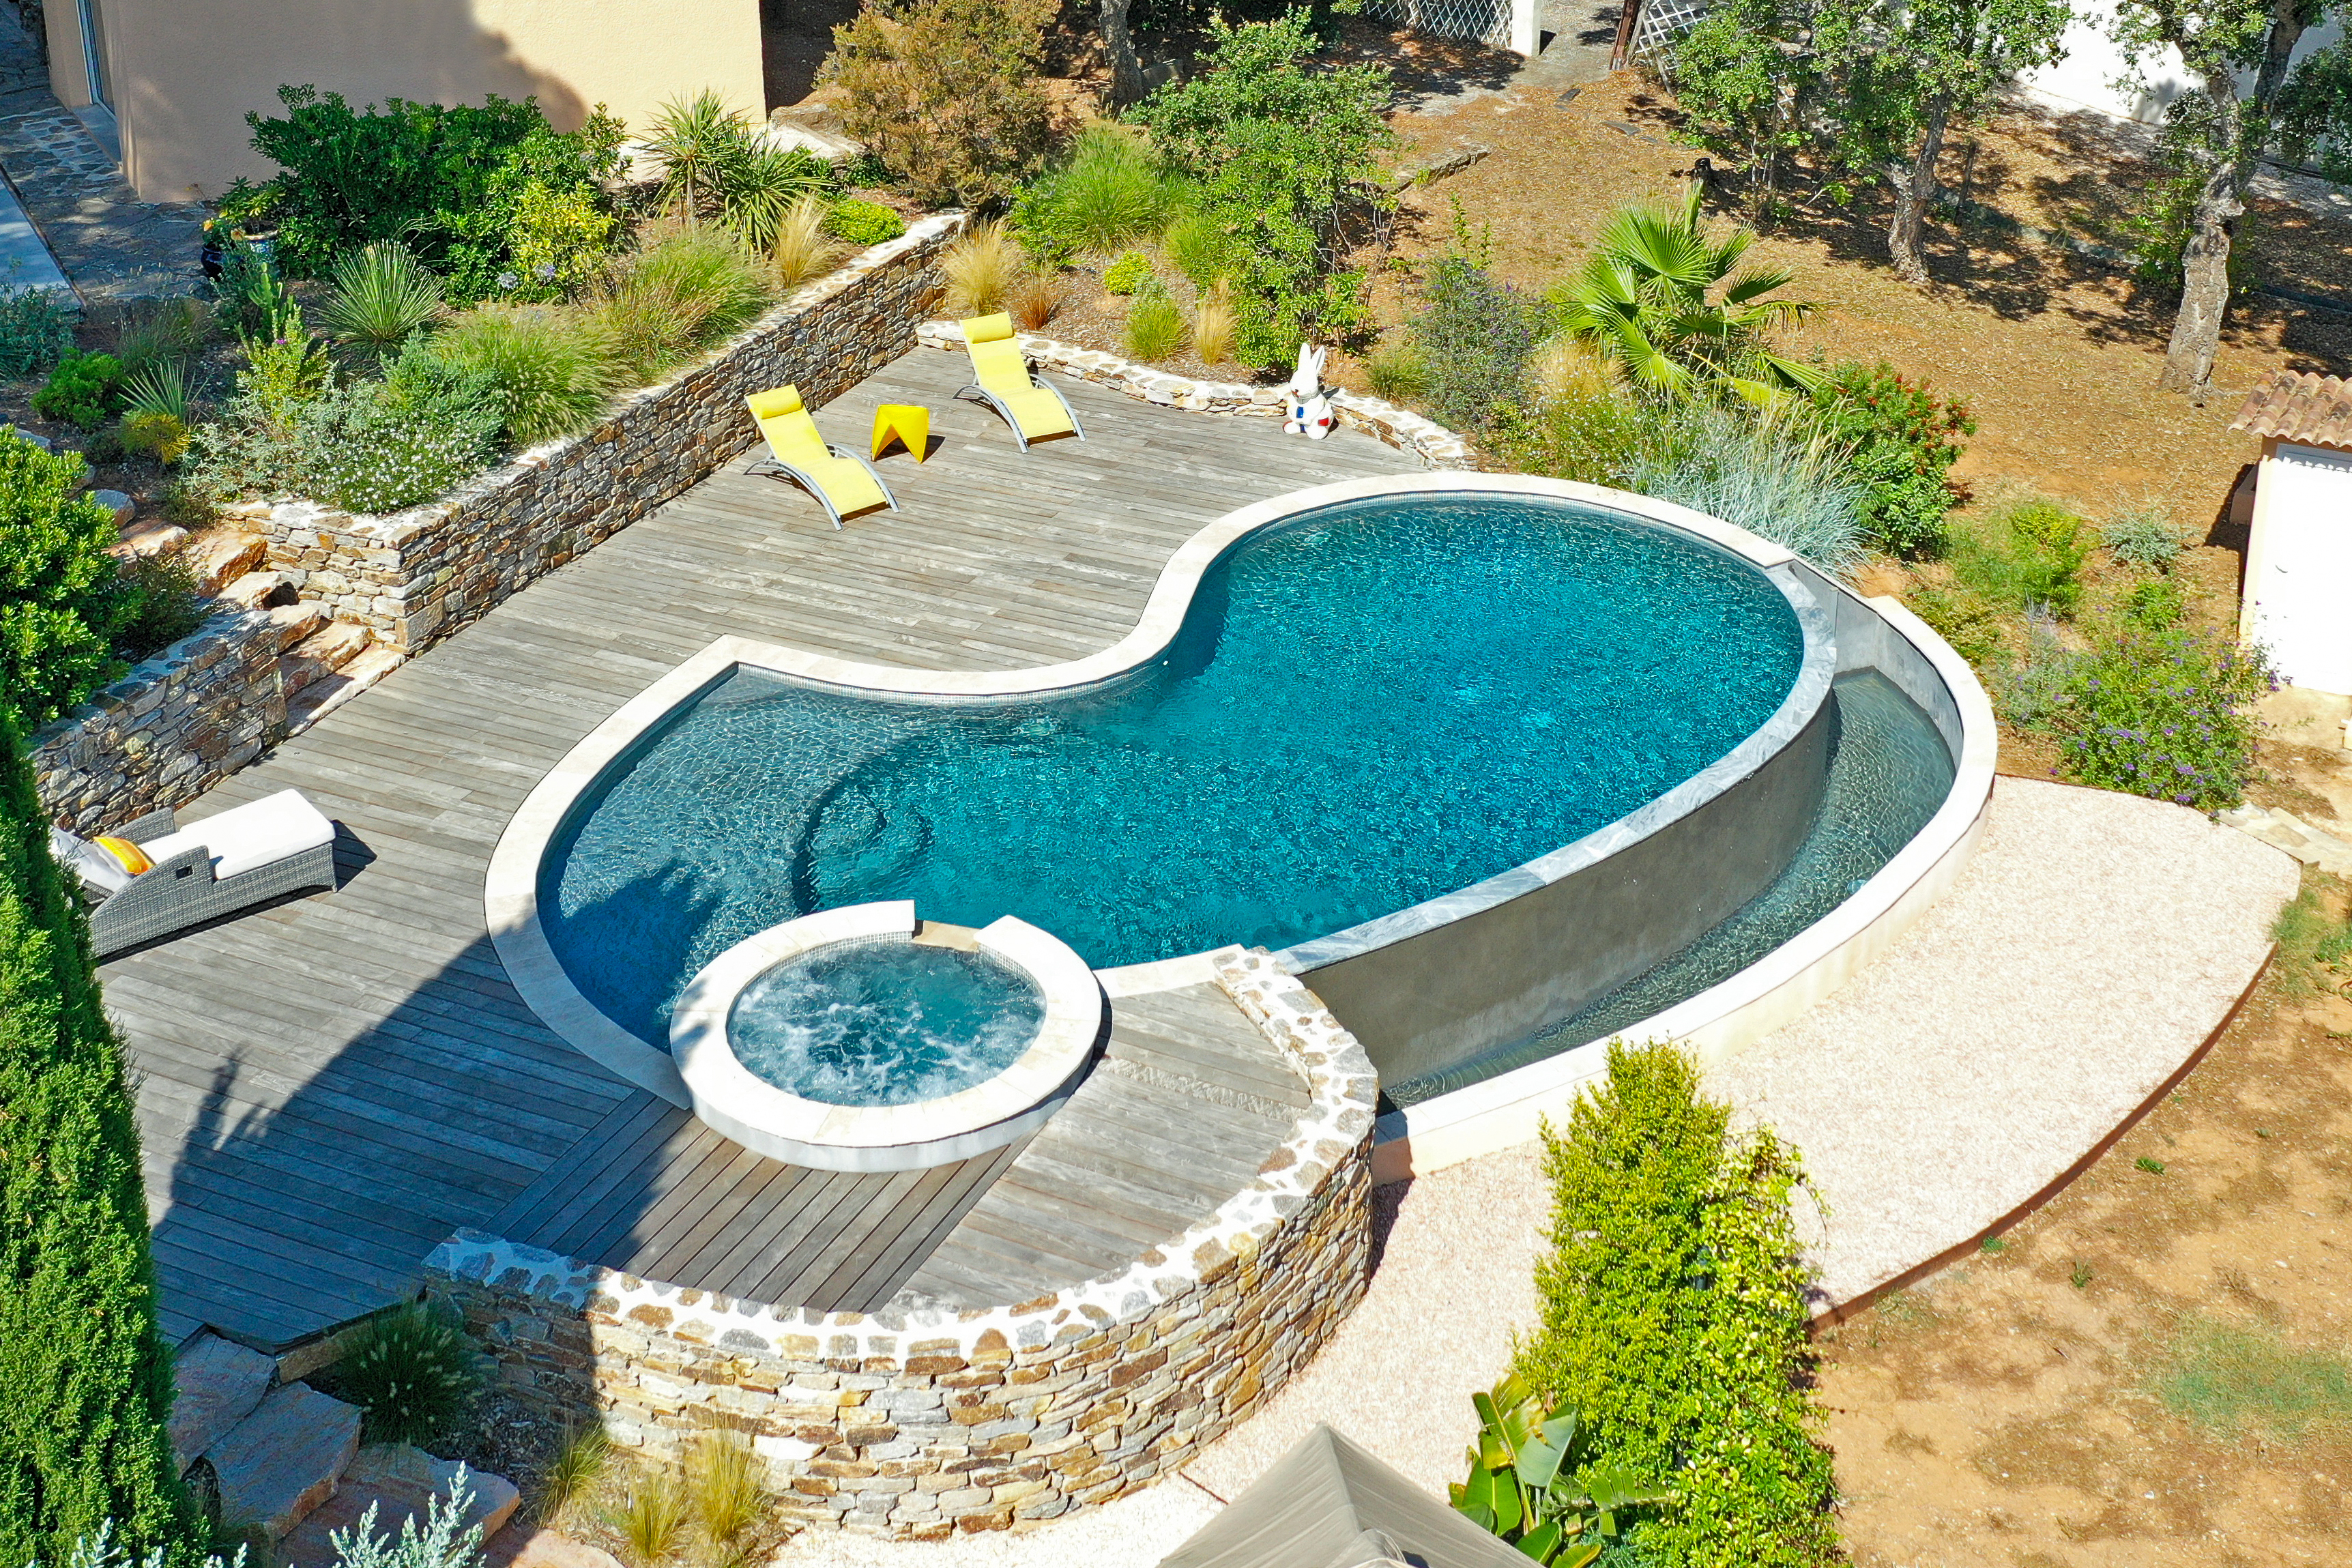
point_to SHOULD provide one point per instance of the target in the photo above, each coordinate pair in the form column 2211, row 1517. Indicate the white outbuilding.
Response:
column 2298, row 596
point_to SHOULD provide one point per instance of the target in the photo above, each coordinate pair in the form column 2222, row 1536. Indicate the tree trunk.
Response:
column 1125, row 70
column 2205, row 280
column 1915, row 192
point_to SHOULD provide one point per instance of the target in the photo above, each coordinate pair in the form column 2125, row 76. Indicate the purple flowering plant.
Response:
column 2167, row 713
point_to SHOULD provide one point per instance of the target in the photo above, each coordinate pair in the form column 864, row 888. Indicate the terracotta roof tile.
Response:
column 2311, row 408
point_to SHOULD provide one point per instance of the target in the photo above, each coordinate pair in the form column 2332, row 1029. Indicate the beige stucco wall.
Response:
column 186, row 71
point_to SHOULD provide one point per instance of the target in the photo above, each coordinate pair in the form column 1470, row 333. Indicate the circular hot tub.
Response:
column 861, row 1040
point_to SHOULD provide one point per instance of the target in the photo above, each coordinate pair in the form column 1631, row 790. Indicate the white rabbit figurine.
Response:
column 1309, row 411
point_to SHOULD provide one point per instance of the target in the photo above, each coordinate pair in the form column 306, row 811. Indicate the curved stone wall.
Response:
column 927, row 1420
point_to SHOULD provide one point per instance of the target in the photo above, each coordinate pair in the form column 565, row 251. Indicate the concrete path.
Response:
column 2094, row 944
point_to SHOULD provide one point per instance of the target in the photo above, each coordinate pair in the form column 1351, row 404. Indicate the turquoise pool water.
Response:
column 883, row 1022
column 1368, row 706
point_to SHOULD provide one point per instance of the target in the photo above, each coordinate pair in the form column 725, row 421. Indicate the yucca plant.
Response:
column 383, row 296
column 801, row 248
column 981, row 268
column 1531, row 1481
column 694, row 138
column 1674, row 311
column 161, row 388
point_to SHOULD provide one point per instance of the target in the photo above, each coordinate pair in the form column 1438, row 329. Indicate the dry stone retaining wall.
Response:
column 1436, row 447
column 174, row 727
column 919, row 1421
column 417, row 576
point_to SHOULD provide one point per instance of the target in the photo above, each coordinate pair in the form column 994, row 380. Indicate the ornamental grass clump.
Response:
column 1155, row 327
column 674, row 300
column 2166, row 713
column 553, row 378
column 414, row 1375
column 1764, row 473
column 1674, row 1318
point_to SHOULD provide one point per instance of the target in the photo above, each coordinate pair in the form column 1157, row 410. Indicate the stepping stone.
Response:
column 400, row 1482
column 520, row 1545
column 277, row 1465
column 145, row 539
column 289, row 624
column 219, row 1383
column 221, row 557
column 322, row 697
column 123, row 507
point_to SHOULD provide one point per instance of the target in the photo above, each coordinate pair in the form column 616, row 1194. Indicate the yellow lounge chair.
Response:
column 841, row 480
column 1003, row 382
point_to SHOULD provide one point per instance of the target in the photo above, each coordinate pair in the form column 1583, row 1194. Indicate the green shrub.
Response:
column 451, row 182
column 2168, row 714
column 1110, row 191
column 2143, row 534
column 947, row 92
column 1474, row 337
column 88, row 1377
column 863, row 222
column 1901, row 444
column 1196, row 243
column 248, row 451
column 34, row 333
column 164, row 604
column 1155, row 327
column 553, row 377
column 671, row 301
column 62, row 604
column 373, row 447
column 1595, row 437
column 1128, row 274
column 1280, row 152
column 1673, row 1317
column 2027, row 551
column 2156, row 601
column 1961, row 618
column 382, row 296
column 80, row 390
column 413, row 1373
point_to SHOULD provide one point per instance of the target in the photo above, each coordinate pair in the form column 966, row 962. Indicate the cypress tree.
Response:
column 85, row 1377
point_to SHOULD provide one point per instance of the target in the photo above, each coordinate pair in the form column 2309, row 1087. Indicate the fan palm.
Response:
column 1645, row 302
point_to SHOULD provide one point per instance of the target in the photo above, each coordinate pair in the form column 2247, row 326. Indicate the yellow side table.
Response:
column 910, row 423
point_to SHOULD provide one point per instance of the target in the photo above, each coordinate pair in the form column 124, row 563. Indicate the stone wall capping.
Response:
column 1432, row 443
column 890, row 1421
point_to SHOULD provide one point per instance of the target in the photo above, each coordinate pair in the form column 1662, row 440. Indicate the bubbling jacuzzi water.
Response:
column 884, row 1021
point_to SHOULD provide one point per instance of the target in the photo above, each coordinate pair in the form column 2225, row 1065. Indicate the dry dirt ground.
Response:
column 2057, row 355
column 2005, row 1411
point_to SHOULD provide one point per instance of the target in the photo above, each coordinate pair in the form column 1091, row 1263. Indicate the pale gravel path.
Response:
column 2094, row 940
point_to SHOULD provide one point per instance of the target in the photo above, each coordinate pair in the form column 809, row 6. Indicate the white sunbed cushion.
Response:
column 250, row 836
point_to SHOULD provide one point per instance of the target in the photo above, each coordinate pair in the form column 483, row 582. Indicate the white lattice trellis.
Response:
column 1488, row 22
column 1661, row 22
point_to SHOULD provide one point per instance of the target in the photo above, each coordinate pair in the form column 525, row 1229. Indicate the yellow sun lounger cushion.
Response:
column 795, row 443
column 1001, row 371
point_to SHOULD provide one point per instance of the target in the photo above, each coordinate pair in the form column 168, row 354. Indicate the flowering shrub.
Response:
column 1902, row 441
column 2167, row 714
column 366, row 448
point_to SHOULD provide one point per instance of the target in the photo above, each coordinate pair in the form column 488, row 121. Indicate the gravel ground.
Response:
column 2095, row 940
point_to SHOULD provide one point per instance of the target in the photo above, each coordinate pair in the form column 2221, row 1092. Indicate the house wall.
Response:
column 2298, row 562
column 187, row 71
column 2095, row 66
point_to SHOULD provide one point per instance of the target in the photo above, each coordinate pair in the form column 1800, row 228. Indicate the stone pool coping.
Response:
column 801, row 1131
column 511, row 886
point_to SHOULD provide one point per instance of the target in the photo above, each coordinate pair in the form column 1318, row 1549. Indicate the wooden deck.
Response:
column 330, row 1087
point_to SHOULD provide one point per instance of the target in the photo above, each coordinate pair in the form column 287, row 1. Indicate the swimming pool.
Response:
column 1366, row 707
